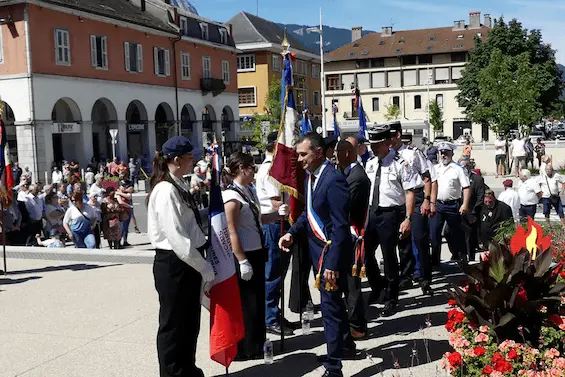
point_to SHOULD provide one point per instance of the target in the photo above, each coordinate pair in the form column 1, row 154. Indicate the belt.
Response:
column 387, row 209
column 418, row 190
column 448, row 202
column 528, row 205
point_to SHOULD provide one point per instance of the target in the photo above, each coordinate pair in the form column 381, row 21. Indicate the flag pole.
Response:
column 3, row 236
column 281, row 321
column 227, row 372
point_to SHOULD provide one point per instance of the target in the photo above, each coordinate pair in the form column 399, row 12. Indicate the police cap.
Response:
column 378, row 134
column 176, row 146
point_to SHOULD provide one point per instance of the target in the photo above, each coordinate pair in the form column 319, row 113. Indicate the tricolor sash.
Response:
column 318, row 228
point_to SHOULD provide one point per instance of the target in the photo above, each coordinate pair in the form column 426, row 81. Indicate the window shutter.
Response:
column 104, row 52
column 93, row 50
column 139, row 58
column 67, row 39
column 56, row 46
column 167, row 63
column 156, row 59
column 126, row 55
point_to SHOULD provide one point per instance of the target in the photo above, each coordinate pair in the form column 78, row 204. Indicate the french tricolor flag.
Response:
column 226, row 316
column 6, row 178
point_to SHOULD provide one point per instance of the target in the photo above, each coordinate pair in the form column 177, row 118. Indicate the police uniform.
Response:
column 390, row 177
column 175, row 231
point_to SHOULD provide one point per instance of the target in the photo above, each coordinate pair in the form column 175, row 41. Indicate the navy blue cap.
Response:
column 379, row 134
column 395, row 126
column 272, row 137
column 361, row 139
column 330, row 141
column 176, row 146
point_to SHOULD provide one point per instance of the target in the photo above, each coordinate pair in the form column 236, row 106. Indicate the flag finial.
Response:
column 285, row 44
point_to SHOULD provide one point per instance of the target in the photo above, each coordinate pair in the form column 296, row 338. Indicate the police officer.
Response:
column 390, row 214
column 452, row 184
column 175, row 231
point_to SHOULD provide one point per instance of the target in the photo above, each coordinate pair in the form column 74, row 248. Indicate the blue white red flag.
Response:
column 6, row 178
column 306, row 124
column 337, row 131
column 226, row 316
column 361, row 115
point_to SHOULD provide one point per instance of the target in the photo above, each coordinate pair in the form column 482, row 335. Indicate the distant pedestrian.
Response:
column 16, row 172
column 530, row 194
column 467, row 149
column 539, row 149
column 552, row 186
column 529, row 152
column 56, row 176
column 111, row 225
column 519, row 155
column 79, row 221
column 500, row 146
column 511, row 197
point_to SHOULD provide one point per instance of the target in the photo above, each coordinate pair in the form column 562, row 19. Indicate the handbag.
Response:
column 555, row 199
column 124, row 215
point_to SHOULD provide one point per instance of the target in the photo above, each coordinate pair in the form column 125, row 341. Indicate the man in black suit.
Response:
column 359, row 190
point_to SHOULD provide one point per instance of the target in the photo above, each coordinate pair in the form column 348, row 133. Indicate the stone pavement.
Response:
column 93, row 313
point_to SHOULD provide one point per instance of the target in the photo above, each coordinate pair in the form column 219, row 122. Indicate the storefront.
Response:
column 137, row 139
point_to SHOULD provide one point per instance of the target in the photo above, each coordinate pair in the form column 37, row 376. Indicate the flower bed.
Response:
column 508, row 319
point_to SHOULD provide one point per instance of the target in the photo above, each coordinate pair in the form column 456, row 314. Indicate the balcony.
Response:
column 350, row 115
column 216, row 86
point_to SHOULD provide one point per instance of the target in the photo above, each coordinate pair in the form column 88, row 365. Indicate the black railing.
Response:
column 216, row 86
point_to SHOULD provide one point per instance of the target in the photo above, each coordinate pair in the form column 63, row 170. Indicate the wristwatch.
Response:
column 409, row 218
column 428, row 198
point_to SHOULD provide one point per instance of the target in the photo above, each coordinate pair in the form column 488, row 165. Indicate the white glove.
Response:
column 208, row 274
column 246, row 270
column 284, row 210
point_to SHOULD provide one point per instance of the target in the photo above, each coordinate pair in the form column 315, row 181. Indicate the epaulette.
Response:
column 399, row 158
column 371, row 158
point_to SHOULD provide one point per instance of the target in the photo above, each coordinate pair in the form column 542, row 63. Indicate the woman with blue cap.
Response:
column 175, row 230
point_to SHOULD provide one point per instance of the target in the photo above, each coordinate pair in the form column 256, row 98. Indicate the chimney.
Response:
column 356, row 33
column 230, row 29
column 488, row 21
column 474, row 20
column 459, row 25
column 387, row 31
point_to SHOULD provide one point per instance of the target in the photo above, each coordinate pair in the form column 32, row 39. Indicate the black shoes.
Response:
column 349, row 353
column 427, row 290
column 328, row 373
column 389, row 309
column 277, row 330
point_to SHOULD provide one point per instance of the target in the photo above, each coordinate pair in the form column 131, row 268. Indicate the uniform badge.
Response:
column 370, row 169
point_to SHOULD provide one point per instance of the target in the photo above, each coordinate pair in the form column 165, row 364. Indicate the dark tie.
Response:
column 376, row 189
column 313, row 182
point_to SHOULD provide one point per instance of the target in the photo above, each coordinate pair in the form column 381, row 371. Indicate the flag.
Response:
column 226, row 316
column 337, row 131
column 306, row 124
column 6, row 178
column 361, row 115
column 285, row 170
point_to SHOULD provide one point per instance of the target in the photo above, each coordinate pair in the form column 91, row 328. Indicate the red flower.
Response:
column 452, row 302
column 473, row 325
column 513, row 355
column 522, row 295
column 496, row 357
column 488, row 369
column 455, row 359
column 479, row 351
column 555, row 319
column 503, row 366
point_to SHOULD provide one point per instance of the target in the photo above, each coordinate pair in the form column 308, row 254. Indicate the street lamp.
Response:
column 320, row 30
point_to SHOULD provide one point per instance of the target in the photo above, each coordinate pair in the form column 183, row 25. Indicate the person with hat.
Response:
column 493, row 214
column 326, row 221
column 175, row 231
column 390, row 214
column 453, row 184
column 271, row 202
column 330, row 143
column 406, row 139
column 511, row 197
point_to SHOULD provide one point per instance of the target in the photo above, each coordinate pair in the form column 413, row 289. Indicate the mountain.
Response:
column 562, row 68
column 333, row 37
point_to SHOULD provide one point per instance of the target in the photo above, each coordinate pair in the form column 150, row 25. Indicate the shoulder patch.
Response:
column 398, row 158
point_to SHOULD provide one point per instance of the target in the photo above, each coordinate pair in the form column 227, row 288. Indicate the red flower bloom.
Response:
column 488, row 369
column 503, row 366
column 513, row 355
column 522, row 295
column 496, row 357
column 473, row 325
column 479, row 351
column 452, row 302
column 450, row 326
column 555, row 319
column 533, row 240
column 455, row 359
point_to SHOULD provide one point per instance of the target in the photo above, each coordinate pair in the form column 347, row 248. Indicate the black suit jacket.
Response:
column 359, row 192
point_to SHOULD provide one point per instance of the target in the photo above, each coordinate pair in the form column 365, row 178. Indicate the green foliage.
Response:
column 273, row 100
column 254, row 124
column 274, row 109
column 436, row 116
column 510, row 79
column 392, row 112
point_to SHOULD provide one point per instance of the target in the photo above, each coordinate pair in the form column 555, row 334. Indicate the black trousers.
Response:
column 421, row 237
column 178, row 286
column 407, row 261
column 355, row 304
column 96, row 232
column 301, row 268
column 382, row 229
column 252, row 294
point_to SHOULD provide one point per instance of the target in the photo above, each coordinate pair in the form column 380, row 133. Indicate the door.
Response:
column 135, row 144
column 58, row 148
column 96, row 144
column 458, row 127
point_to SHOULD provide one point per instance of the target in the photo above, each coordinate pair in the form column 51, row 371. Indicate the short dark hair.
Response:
column 315, row 139
column 271, row 147
column 344, row 144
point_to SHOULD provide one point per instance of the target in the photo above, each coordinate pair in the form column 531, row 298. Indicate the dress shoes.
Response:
column 349, row 353
column 389, row 309
column 358, row 335
column 291, row 325
column 328, row 373
column 427, row 290
column 277, row 330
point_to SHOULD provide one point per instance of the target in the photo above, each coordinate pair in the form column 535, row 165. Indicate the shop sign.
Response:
column 66, row 128
column 136, row 127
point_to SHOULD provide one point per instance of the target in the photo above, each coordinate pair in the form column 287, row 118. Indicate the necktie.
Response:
column 376, row 189
column 313, row 182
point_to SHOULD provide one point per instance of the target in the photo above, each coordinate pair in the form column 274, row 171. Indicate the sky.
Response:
column 545, row 15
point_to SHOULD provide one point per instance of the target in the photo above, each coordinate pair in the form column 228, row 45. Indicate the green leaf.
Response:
column 557, row 288
column 496, row 270
column 542, row 263
column 505, row 320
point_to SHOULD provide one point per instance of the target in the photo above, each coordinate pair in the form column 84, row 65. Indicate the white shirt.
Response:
column 265, row 187
column 396, row 178
column 171, row 224
column 518, row 148
column 500, row 147
column 318, row 172
column 34, row 206
column 451, row 180
column 433, row 173
column 89, row 178
column 417, row 163
column 247, row 231
column 73, row 213
column 551, row 185
column 22, row 195
column 57, row 177
column 528, row 191
column 512, row 198
column 96, row 190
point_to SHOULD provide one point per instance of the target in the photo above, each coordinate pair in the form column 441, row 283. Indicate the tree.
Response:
column 517, row 48
column 392, row 112
column 436, row 116
column 273, row 114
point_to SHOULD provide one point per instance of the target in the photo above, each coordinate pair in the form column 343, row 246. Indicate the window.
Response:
column 315, row 71
column 409, row 60
column 247, row 96
column 246, row 63
column 315, row 98
column 204, row 31
column 226, row 71
column 277, row 59
column 376, row 104
column 183, row 23
column 458, row 57
column 377, row 63
column 223, row 36
column 299, row 68
column 441, row 76
column 99, row 52
column 332, row 83
column 362, row 63
column 185, row 65
column 62, row 47
column 439, row 100
column 396, row 101
column 206, row 67
column 133, row 53
column 425, row 59
column 162, row 61
column 417, row 102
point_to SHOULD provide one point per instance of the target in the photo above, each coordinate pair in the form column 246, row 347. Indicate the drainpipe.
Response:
column 35, row 167
column 175, row 79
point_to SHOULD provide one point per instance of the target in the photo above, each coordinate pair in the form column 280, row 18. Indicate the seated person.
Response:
column 54, row 240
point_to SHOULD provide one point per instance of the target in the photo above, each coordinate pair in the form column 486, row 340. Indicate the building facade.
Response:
column 408, row 69
column 72, row 72
column 259, row 64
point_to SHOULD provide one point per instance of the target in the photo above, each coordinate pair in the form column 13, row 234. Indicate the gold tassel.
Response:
column 363, row 274
column 354, row 270
column 330, row 288
column 318, row 281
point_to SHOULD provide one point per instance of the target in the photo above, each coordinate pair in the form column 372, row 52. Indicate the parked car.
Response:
column 534, row 135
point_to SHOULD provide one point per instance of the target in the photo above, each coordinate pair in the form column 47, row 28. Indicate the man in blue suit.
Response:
column 326, row 220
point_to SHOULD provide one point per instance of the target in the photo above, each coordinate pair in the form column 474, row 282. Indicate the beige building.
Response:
column 406, row 68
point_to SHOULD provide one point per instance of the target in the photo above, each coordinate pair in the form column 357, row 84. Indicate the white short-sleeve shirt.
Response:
column 528, row 191
column 247, row 231
column 551, row 185
column 265, row 188
column 451, row 180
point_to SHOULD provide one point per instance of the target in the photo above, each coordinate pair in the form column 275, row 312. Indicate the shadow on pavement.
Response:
column 289, row 366
column 70, row 267
column 18, row 281
column 301, row 342
column 407, row 324
column 403, row 351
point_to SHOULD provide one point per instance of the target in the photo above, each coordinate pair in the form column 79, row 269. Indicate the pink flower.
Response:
column 496, row 374
column 458, row 342
column 558, row 363
column 507, row 344
column 483, row 329
column 482, row 338
column 551, row 353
